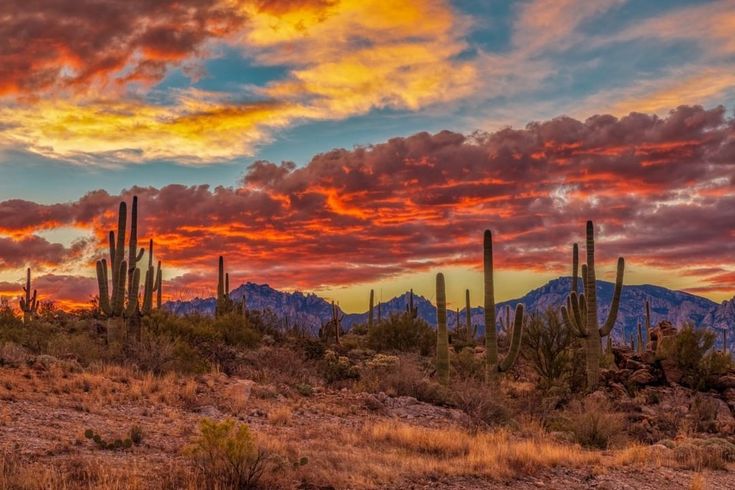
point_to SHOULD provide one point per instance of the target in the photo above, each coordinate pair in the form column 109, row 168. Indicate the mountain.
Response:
column 311, row 311
column 307, row 310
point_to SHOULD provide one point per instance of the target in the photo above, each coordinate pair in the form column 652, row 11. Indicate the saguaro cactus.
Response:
column 648, row 324
column 411, row 310
column 223, row 289
column 122, row 271
column 492, row 365
column 29, row 302
column 151, row 284
column 442, row 333
column 468, row 312
column 337, row 317
column 370, row 313
column 581, row 309
column 641, row 346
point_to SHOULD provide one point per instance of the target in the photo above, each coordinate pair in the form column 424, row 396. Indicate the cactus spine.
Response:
column 581, row 309
column 492, row 365
column 442, row 334
column 29, row 302
column 370, row 314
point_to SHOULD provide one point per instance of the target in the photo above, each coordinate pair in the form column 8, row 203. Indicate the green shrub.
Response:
column 548, row 346
column 227, row 455
column 338, row 368
column 465, row 365
column 399, row 332
column 691, row 351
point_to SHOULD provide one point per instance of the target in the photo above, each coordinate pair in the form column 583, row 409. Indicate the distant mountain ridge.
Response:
column 311, row 311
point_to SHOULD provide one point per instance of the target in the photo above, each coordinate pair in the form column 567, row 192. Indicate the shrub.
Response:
column 592, row 422
column 482, row 405
column 691, row 352
column 399, row 332
column 406, row 378
column 465, row 365
column 338, row 368
column 227, row 455
column 547, row 345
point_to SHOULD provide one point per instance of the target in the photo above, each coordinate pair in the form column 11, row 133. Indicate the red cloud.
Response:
column 75, row 43
column 659, row 189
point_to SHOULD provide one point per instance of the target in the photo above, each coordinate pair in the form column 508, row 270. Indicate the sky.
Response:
column 337, row 146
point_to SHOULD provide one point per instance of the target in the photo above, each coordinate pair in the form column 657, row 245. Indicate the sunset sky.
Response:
column 340, row 145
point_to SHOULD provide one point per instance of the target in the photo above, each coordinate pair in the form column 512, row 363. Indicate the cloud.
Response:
column 94, row 44
column 341, row 58
column 659, row 190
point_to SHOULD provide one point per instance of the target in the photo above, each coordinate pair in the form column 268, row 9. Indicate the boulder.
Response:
column 642, row 377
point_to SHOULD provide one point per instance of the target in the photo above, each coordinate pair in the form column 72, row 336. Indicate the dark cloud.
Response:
column 75, row 43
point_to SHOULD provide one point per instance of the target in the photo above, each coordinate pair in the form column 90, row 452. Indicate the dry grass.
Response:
column 698, row 482
column 495, row 454
column 280, row 415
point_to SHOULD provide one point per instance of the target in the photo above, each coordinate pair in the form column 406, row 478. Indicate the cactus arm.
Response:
column 612, row 315
column 104, row 290
column 577, row 304
column 442, row 335
column 515, row 341
column 119, row 291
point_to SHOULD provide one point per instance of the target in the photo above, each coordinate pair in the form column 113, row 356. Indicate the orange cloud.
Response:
column 412, row 204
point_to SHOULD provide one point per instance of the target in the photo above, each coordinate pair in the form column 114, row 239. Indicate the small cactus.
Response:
column 370, row 314
column 29, row 302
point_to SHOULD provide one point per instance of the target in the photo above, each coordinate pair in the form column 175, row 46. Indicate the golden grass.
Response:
column 280, row 415
column 452, row 451
column 698, row 482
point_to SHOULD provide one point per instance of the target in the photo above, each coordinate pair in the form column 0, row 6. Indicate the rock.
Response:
column 642, row 377
column 725, row 382
column 209, row 411
column 373, row 403
column 672, row 372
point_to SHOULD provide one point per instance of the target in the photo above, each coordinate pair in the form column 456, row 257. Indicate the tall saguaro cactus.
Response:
column 370, row 314
column 442, row 333
column 581, row 309
column 112, row 303
column 29, row 302
column 492, row 365
column 468, row 312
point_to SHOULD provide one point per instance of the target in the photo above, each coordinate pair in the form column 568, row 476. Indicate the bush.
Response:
column 482, row 405
column 338, row 368
column 399, row 332
column 592, row 422
column 547, row 345
column 691, row 352
column 227, row 455
column 404, row 378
